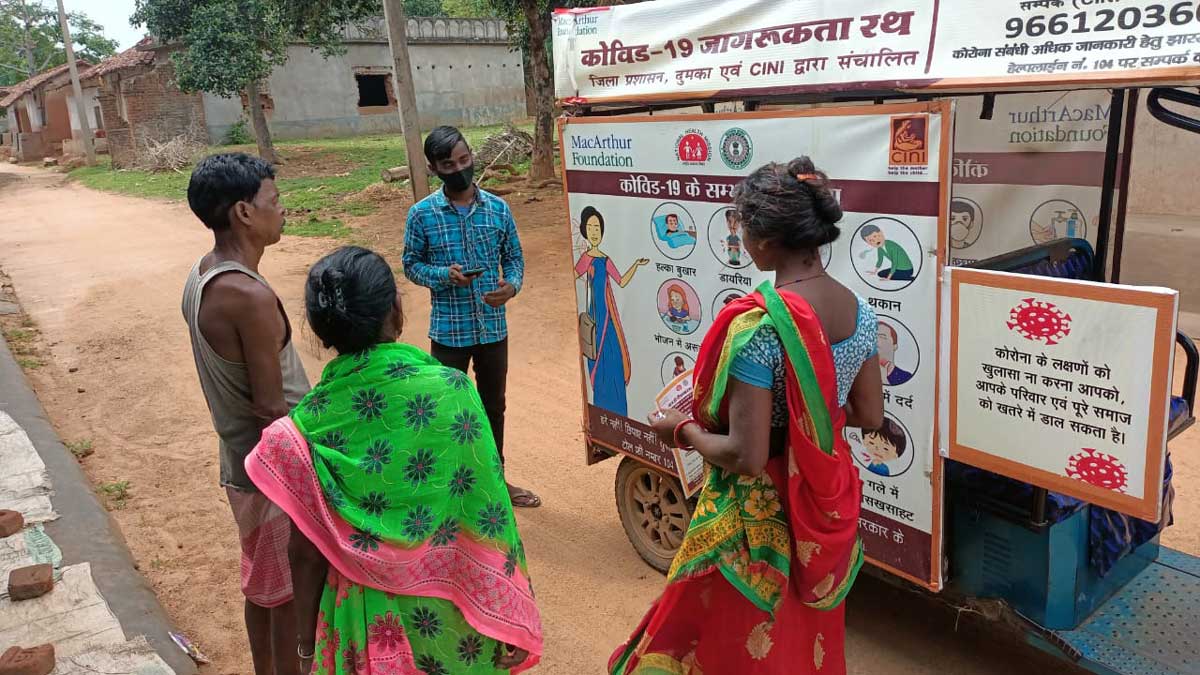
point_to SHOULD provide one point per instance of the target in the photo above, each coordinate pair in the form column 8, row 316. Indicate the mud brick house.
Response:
column 464, row 71
column 37, row 112
column 137, row 97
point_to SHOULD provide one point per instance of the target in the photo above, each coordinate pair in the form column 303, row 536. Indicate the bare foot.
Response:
column 522, row 498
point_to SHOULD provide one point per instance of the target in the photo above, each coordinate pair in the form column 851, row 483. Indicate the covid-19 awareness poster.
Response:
column 657, row 254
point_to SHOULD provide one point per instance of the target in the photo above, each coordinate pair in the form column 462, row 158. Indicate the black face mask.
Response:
column 459, row 180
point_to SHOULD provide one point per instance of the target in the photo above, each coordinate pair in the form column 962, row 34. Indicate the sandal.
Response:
column 523, row 499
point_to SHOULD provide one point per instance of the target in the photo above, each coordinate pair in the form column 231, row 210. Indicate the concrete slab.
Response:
column 29, row 547
column 135, row 657
column 24, row 485
column 73, row 618
column 84, row 531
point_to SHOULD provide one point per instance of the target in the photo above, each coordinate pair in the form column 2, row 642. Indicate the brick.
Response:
column 11, row 523
column 26, row 583
column 34, row 661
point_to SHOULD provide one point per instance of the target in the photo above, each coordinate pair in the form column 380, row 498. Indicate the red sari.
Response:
column 758, row 583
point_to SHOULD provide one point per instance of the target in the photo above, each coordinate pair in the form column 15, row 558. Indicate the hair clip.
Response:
column 805, row 176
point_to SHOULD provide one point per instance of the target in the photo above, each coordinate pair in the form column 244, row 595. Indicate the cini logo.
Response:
column 736, row 149
column 910, row 141
column 693, row 148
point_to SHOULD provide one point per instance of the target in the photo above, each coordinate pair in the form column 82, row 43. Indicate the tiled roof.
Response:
column 19, row 90
column 130, row 58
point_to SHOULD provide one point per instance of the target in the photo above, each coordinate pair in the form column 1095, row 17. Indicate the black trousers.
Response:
column 491, row 377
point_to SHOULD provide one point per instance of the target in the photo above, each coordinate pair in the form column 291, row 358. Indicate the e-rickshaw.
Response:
column 1086, row 584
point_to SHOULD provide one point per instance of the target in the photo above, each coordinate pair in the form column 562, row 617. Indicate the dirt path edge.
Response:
column 84, row 531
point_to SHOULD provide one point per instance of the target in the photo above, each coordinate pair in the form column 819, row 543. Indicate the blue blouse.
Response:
column 761, row 362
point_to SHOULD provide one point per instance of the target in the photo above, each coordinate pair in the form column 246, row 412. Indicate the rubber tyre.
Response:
column 654, row 511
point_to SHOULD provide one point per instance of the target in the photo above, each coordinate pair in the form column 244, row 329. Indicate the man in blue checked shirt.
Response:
column 461, row 243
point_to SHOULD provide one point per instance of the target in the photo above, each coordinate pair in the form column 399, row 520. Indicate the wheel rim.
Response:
column 658, row 510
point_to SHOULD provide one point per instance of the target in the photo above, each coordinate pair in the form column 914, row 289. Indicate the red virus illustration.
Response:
column 1040, row 321
column 1099, row 469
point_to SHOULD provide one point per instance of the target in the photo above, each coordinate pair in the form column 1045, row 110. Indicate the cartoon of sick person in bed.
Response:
column 668, row 230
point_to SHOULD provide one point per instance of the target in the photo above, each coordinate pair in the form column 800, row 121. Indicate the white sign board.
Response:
column 656, row 259
column 691, row 49
column 1030, row 174
column 1062, row 384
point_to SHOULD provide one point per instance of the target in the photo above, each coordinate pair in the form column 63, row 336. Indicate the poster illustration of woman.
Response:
column 609, row 372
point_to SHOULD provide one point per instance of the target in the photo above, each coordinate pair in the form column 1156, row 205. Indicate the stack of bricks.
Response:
column 26, row 583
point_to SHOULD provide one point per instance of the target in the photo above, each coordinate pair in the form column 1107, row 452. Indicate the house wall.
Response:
column 464, row 72
column 144, row 101
column 33, row 114
column 90, row 101
column 58, row 122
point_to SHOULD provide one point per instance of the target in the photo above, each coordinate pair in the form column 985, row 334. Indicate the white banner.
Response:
column 691, row 49
column 1030, row 174
column 1040, row 360
column 656, row 259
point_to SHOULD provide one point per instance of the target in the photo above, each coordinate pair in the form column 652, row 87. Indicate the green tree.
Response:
column 229, row 47
column 424, row 8
column 529, row 25
column 31, row 40
column 468, row 9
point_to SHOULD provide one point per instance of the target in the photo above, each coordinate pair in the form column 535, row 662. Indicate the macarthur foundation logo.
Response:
column 594, row 150
column 908, row 149
column 736, row 149
column 693, row 148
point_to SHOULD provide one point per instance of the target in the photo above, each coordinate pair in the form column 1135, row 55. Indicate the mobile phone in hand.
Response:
column 472, row 272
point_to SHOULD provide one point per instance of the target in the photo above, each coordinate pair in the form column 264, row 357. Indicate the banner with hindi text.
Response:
column 657, row 256
column 696, row 49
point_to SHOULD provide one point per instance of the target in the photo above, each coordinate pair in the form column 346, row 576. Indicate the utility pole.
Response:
column 85, row 129
column 406, row 96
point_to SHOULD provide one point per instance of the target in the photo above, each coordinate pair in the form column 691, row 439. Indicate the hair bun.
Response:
column 331, row 294
column 801, row 166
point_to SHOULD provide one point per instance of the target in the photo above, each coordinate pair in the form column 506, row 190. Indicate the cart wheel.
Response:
column 653, row 511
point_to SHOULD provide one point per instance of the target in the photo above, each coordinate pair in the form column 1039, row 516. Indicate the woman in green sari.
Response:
column 405, row 552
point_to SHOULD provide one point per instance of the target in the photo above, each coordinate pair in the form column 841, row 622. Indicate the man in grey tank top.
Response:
column 250, row 374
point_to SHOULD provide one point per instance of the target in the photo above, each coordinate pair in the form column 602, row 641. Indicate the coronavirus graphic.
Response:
column 1099, row 469
column 1040, row 321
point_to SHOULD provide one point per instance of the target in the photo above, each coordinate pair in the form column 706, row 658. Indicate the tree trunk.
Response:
column 543, row 132
column 258, row 118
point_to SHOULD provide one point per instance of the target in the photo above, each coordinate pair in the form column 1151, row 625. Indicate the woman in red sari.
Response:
column 773, row 548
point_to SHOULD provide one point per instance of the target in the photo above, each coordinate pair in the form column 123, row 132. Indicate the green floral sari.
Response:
column 389, row 467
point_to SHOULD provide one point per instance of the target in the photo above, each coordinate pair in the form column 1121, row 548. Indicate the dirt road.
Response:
column 101, row 275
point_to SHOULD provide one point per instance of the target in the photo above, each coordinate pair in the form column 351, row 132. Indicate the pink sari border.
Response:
column 464, row 572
